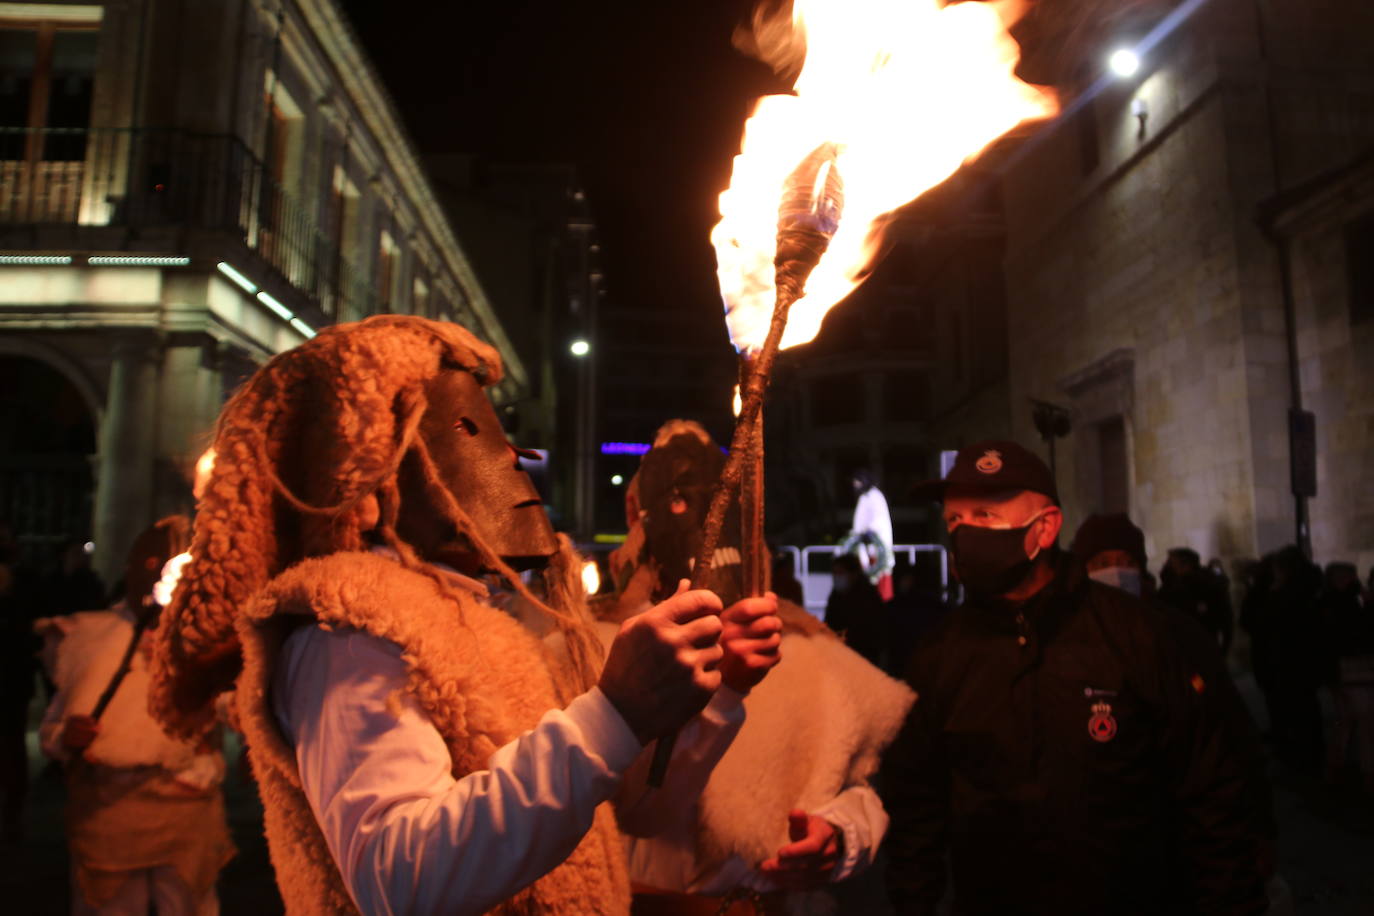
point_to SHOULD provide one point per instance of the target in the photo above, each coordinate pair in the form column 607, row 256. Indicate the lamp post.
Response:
column 583, row 464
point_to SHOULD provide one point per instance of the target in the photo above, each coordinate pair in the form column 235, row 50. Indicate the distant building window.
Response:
column 343, row 223
column 904, row 328
column 845, row 462
column 1113, row 466
column 906, row 396
column 47, row 75
column 837, row 399
column 1359, row 259
column 388, row 256
column 277, row 215
column 904, row 466
column 956, row 344
column 419, row 298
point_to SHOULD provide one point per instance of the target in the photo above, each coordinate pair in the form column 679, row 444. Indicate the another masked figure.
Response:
column 788, row 808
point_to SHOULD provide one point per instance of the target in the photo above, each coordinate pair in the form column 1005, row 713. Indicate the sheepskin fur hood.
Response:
column 479, row 675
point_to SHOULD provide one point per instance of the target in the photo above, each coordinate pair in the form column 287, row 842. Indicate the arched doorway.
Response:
column 47, row 440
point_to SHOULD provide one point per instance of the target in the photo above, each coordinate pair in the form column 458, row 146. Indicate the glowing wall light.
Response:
column 243, row 283
column 136, row 261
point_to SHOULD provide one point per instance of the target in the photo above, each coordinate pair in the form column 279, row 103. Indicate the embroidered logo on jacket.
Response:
column 1102, row 724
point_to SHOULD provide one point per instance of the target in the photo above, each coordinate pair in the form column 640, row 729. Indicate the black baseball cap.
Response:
column 993, row 465
column 1110, row 531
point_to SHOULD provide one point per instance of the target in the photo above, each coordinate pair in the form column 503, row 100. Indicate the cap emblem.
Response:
column 991, row 462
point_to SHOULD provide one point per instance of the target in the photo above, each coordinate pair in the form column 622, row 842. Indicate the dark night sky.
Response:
column 647, row 99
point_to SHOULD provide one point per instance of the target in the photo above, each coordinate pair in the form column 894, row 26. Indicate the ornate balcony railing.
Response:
column 143, row 178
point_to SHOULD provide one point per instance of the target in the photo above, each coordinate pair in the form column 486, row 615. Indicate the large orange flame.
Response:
column 907, row 90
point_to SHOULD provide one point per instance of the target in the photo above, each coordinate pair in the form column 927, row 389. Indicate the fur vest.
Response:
column 482, row 679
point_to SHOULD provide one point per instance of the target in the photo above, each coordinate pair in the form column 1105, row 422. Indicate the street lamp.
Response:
column 1124, row 62
column 579, row 348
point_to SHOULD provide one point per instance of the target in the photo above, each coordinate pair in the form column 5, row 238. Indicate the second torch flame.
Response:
column 896, row 94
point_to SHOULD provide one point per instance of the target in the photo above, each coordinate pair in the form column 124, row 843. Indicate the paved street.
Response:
column 1326, row 851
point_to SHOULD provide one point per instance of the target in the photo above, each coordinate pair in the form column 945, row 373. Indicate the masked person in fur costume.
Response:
column 145, row 817
column 788, row 809
column 417, row 749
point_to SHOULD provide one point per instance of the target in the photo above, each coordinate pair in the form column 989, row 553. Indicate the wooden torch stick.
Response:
column 746, row 457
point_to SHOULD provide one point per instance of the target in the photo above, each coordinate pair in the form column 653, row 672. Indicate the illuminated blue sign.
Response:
column 624, row 448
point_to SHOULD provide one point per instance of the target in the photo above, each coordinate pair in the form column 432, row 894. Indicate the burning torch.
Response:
column 808, row 216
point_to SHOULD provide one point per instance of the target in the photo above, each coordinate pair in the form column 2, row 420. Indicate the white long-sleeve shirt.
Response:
column 406, row 835
column 870, row 514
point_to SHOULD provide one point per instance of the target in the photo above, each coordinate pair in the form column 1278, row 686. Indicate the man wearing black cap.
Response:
column 1066, row 748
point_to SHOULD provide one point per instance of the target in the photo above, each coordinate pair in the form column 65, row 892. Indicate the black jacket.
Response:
column 1084, row 753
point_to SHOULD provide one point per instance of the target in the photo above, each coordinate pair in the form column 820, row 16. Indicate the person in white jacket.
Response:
column 870, row 533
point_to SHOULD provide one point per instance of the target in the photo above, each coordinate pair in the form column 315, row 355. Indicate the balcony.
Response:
column 142, row 180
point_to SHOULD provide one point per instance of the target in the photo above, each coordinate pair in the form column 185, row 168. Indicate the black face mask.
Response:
column 991, row 561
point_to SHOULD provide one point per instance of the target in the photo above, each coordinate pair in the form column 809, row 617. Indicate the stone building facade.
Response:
column 1181, row 267
column 187, row 189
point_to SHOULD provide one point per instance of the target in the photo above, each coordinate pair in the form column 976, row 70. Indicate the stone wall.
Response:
column 1141, row 284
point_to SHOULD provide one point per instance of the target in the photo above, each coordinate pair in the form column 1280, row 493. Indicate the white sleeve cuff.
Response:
column 605, row 730
column 726, row 706
column 859, row 815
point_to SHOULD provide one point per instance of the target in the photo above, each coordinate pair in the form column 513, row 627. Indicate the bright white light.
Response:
column 35, row 259
column 617, row 480
column 579, row 347
column 275, row 305
column 243, row 282
column 591, row 577
column 137, row 261
column 1124, row 62
column 88, row 547
column 304, row 328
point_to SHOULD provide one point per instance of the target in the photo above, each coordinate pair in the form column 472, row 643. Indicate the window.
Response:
column 904, row 466
column 1359, row 260
column 1112, row 464
column 47, row 77
column 906, row 396
column 388, row 255
column 904, row 328
column 419, row 298
column 280, row 172
column 283, row 134
column 956, row 344
column 837, row 399
column 343, row 223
